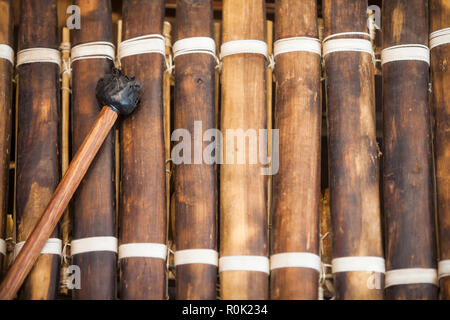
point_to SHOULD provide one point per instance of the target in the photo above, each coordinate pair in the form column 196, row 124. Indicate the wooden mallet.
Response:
column 119, row 94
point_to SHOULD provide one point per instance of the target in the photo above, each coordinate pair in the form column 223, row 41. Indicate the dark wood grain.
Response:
column 195, row 184
column 94, row 202
column 440, row 59
column 38, row 169
column 6, row 74
column 243, row 189
column 353, row 150
column 407, row 161
column 143, row 210
column 296, row 187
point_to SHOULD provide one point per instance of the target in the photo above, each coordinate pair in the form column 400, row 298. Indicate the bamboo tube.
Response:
column 93, row 204
column 408, row 182
column 353, row 155
column 6, row 76
column 143, row 207
column 269, row 96
column 218, row 39
column 440, row 19
column 38, row 169
column 296, row 188
column 243, row 187
column 65, row 152
column 195, row 183
column 167, row 29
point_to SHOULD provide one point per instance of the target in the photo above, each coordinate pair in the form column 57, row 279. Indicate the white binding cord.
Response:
column 143, row 250
column 439, row 38
column 93, row 244
column 295, row 260
column 93, row 50
column 358, row 264
column 3, row 247
column 7, row 53
column 194, row 45
column 411, row 276
column 196, row 256
column 52, row 246
column 331, row 45
column 243, row 46
column 244, row 263
column 39, row 55
column 406, row 52
column 444, row 269
column 152, row 43
column 297, row 44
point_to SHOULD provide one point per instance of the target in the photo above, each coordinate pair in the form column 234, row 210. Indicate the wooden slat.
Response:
column 353, row 152
column 143, row 206
column 408, row 166
column 38, row 170
column 6, row 75
column 94, row 202
column 243, row 189
column 296, row 189
column 440, row 19
column 195, row 183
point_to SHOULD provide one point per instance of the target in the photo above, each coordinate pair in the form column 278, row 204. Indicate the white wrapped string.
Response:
column 439, row 38
column 406, row 52
column 38, row 55
column 243, row 46
column 444, row 269
column 204, row 45
column 143, row 250
column 244, row 263
column 297, row 44
column 52, row 246
column 3, row 247
column 196, row 256
column 358, row 264
column 6, row 52
column 411, row 276
column 93, row 50
column 152, row 43
column 331, row 45
column 295, row 260
column 93, row 244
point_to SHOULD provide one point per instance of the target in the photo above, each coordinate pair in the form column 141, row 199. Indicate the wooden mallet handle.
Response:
column 122, row 103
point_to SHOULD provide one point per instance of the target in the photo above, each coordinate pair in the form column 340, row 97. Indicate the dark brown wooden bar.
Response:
column 407, row 156
column 94, row 202
column 143, row 205
column 6, row 74
column 38, row 170
column 195, row 183
column 296, row 187
column 353, row 151
column 243, row 188
column 440, row 19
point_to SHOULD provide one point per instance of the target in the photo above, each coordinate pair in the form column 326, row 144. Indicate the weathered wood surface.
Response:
column 6, row 74
column 243, row 191
column 143, row 204
column 38, row 170
column 407, row 155
column 195, row 184
column 94, row 202
column 296, row 187
column 440, row 58
column 353, row 150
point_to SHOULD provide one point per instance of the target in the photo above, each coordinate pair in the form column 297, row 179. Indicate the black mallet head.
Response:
column 119, row 92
